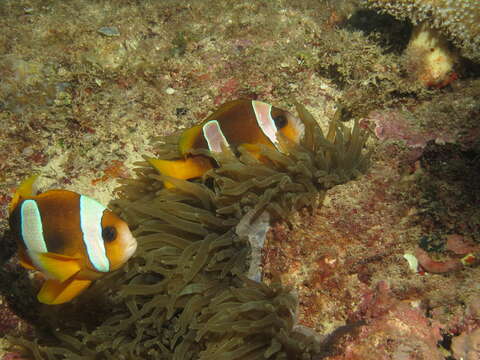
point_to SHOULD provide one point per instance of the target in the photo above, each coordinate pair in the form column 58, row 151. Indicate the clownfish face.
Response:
column 120, row 245
column 273, row 120
column 289, row 125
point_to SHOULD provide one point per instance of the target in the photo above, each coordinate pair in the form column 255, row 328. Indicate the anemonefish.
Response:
column 240, row 122
column 70, row 238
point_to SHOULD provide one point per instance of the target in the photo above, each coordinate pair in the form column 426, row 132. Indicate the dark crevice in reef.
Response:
column 450, row 186
column 391, row 34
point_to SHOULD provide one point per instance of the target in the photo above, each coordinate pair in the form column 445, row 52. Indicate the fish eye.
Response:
column 280, row 121
column 109, row 233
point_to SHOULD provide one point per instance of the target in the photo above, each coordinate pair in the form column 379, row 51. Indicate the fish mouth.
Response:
column 298, row 126
column 130, row 248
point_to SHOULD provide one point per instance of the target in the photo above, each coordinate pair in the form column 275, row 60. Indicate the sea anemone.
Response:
column 185, row 295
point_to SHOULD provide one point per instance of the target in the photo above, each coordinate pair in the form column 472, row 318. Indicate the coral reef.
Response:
column 368, row 77
column 467, row 346
column 400, row 328
column 81, row 107
column 458, row 20
column 184, row 295
column 430, row 58
column 413, row 196
column 450, row 119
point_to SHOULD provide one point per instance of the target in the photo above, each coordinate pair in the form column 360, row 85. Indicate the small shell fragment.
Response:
column 109, row 31
column 412, row 262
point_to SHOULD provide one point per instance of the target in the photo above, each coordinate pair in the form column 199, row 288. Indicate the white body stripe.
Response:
column 263, row 113
column 91, row 213
column 31, row 227
column 214, row 136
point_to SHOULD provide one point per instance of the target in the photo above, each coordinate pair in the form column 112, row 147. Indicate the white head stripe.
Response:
column 31, row 227
column 214, row 136
column 91, row 213
column 265, row 121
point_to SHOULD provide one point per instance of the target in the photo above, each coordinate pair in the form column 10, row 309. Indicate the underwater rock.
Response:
column 459, row 245
column 458, row 20
column 398, row 125
column 436, row 267
column 467, row 346
column 395, row 329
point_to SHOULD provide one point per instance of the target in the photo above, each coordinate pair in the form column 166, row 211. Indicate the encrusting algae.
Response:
column 184, row 295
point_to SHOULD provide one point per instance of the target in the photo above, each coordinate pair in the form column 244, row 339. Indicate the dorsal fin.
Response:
column 187, row 139
column 25, row 189
column 226, row 107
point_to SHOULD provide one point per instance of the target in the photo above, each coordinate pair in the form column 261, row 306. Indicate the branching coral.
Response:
column 184, row 295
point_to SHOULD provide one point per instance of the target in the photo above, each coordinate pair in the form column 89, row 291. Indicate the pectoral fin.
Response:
column 55, row 292
column 189, row 168
column 55, row 266
column 254, row 150
column 24, row 259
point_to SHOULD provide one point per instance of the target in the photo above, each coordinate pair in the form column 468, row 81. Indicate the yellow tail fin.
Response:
column 25, row 189
column 189, row 168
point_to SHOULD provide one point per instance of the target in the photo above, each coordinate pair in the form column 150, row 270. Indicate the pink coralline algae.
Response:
column 458, row 245
column 394, row 329
column 228, row 89
column 392, row 125
column 467, row 346
column 468, row 321
column 13, row 356
column 8, row 320
column 437, row 267
column 461, row 246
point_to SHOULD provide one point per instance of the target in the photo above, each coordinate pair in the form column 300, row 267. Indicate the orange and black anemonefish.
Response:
column 239, row 122
column 70, row 238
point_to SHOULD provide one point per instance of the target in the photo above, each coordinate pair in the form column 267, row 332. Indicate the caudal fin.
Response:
column 189, row 168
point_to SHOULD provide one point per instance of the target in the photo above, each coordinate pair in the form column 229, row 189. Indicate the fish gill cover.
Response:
column 185, row 295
